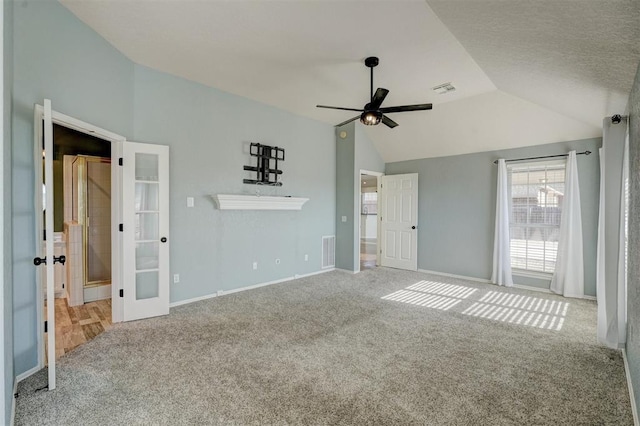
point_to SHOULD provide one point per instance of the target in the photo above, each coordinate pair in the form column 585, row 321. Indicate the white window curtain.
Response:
column 612, row 296
column 568, row 278
column 501, row 245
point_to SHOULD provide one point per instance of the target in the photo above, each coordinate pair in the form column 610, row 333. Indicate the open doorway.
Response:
column 368, row 221
column 82, row 233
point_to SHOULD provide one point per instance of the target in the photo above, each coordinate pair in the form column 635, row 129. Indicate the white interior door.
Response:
column 399, row 221
column 49, row 255
column 145, row 206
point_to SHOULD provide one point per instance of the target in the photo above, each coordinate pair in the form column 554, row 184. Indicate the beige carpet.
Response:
column 380, row 347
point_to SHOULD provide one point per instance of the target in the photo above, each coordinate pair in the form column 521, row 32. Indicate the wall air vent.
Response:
column 328, row 251
column 443, row 88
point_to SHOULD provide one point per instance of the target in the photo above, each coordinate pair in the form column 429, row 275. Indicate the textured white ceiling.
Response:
column 576, row 57
column 296, row 54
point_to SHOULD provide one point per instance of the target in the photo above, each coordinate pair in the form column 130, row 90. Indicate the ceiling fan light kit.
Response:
column 372, row 114
column 371, row 118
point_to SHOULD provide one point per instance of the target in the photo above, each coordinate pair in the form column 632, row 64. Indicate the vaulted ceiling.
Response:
column 526, row 72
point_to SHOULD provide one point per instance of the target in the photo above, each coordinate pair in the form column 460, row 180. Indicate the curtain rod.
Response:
column 545, row 156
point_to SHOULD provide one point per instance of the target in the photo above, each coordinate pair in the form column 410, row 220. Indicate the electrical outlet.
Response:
column 306, row 257
column 219, row 293
column 255, row 265
column 190, row 202
column 277, row 261
column 176, row 278
column 344, row 218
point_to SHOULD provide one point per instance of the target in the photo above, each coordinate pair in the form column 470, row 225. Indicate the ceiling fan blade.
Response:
column 404, row 108
column 348, row 121
column 341, row 108
column 378, row 97
column 389, row 122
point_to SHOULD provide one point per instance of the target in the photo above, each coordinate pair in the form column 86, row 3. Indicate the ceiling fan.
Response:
column 372, row 114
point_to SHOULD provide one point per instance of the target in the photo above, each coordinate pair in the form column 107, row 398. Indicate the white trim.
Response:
column 358, row 214
column 547, row 291
column 462, row 277
column 346, row 271
column 482, row 280
column 532, row 288
column 257, row 202
column 116, row 142
column 532, row 274
column 310, row 274
column 30, row 372
column 13, row 402
column 192, row 300
column 632, row 398
column 250, row 287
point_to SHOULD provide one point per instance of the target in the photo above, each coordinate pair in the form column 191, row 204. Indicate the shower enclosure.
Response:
column 91, row 209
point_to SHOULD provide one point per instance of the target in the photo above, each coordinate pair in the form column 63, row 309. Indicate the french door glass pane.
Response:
column 146, row 167
column 147, row 227
column 146, row 196
column 147, row 255
column 147, row 284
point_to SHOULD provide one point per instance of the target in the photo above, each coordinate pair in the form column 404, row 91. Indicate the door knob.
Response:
column 163, row 239
column 413, row 227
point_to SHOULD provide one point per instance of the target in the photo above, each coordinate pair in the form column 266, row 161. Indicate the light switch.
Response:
column 344, row 218
column 190, row 202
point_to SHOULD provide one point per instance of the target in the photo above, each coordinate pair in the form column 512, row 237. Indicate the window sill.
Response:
column 532, row 274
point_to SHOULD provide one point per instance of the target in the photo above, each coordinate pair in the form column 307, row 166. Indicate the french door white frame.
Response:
column 116, row 142
column 378, row 175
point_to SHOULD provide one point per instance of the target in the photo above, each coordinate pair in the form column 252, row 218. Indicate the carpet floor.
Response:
column 380, row 347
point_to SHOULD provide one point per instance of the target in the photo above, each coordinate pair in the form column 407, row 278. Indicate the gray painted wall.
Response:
column 6, row 275
column 353, row 153
column 57, row 57
column 456, row 209
column 208, row 132
column 633, row 283
column 345, row 196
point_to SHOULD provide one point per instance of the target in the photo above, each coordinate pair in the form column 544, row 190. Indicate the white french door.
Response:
column 399, row 221
column 145, row 206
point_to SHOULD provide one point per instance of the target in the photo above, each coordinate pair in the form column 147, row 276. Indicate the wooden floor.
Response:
column 367, row 254
column 76, row 325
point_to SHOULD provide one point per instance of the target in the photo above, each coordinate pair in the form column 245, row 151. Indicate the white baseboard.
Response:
column 28, row 373
column 13, row 402
column 634, row 409
column 482, row 280
column 346, row 271
column 532, row 288
column 461, row 277
column 250, row 287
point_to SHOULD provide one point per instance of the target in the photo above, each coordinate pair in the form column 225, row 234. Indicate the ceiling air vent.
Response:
column 443, row 88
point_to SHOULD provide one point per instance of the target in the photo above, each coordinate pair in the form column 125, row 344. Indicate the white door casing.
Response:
column 145, row 284
column 399, row 221
column 48, row 226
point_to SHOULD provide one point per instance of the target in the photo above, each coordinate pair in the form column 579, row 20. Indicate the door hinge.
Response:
column 121, row 227
column 120, row 161
column 44, row 235
column 63, row 286
column 121, row 293
column 46, row 326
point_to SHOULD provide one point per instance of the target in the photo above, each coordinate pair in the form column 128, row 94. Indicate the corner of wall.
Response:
column 633, row 273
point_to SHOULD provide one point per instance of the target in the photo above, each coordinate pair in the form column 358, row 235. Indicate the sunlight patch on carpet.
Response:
column 519, row 309
column 432, row 294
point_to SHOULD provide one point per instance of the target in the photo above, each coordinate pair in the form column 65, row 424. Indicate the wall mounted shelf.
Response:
column 255, row 202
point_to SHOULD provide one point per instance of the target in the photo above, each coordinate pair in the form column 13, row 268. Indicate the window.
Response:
column 537, row 192
column 369, row 203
